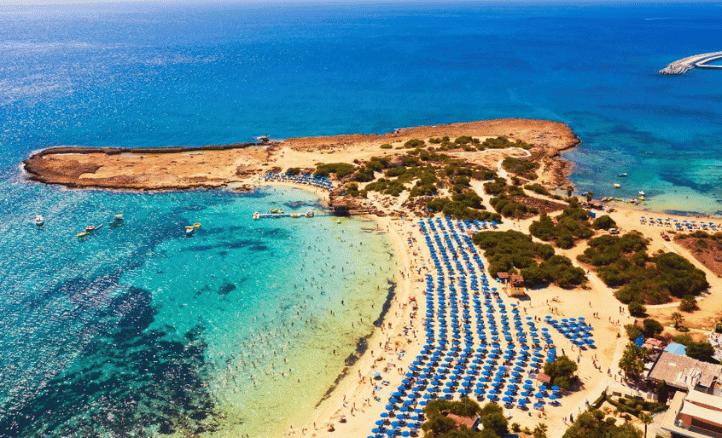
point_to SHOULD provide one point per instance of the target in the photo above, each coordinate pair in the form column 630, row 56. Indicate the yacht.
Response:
column 39, row 220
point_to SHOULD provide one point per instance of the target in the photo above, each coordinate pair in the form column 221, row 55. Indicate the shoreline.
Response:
column 356, row 397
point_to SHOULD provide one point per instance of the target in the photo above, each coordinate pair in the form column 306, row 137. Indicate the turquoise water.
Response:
column 139, row 326
column 91, row 328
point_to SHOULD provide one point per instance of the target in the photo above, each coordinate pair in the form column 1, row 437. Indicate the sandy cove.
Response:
column 352, row 408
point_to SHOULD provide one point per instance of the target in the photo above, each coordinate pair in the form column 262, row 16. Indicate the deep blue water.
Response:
column 162, row 75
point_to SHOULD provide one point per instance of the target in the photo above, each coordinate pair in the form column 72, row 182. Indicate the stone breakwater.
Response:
column 684, row 65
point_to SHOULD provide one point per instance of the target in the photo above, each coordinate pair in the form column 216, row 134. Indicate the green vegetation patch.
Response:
column 524, row 167
column 512, row 251
column 339, row 169
column 438, row 425
column 592, row 424
column 623, row 262
column 564, row 230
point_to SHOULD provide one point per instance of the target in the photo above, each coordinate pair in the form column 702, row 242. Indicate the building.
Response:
column 503, row 277
column 684, row 373
column 694, row 415
column 516, row 286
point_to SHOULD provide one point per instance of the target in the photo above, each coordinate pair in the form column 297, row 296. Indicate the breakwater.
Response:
column 684, row 65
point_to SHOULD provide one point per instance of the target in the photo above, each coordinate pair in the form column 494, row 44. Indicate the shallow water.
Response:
column 139, row 329
column 138, row 326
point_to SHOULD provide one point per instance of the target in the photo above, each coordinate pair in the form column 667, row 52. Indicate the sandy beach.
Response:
column 356, row 403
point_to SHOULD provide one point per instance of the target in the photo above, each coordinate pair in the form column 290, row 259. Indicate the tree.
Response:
column 570, row 190
column 677, row 318
column 591, row 424
column 652, row 328
column 590, row 196
column 637, row 309
column 688, row 304
column 631, row 363
column 633, row 331
column 703, row 351
column 561, row 371
column 540, row 431
column 496, row 422
column 646, row 419
column 604, row 223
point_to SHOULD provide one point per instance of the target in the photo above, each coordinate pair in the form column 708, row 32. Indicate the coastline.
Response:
column 208, row 167
column 350, row 405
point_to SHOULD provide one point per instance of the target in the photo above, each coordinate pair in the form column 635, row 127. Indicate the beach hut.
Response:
column 515, row 287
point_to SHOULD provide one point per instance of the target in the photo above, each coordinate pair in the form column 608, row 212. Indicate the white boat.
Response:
column 39, row 220
column 190, row 230
column 256, row 215
column 309, row 213
column 117, row 220
column 617, row 186
column 641, row 193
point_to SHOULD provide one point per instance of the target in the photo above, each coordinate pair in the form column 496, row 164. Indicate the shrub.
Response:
column 688, row 305
column 604, row 223
column 386, row 146
column 703, row 351
column 537, row 188
column 561, row 371
column 652, row 327
column 293, row 170
column 339, row 169
column 637, row 309
column 364, row 174
column 414, row 143
column 633, row 331
column 523, row 167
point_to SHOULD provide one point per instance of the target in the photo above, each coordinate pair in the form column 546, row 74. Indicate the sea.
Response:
column 241, row 329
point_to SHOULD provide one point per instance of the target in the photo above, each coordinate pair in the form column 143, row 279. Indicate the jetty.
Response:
column 684, row 65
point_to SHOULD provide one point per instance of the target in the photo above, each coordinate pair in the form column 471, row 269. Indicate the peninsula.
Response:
column 218, row 166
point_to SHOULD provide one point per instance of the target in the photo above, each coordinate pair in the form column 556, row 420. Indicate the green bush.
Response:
column 537, row 188
column 293, row 170
column 414, row 143
column 688, row 305
column 604, row 223
column 523, row 167
column 637, row 309
column 571, row 225
column 339, row 169
column 652, row 327
column 386, row 146
column 561, row 371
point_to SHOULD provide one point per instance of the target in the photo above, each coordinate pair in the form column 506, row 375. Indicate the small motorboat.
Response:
column 641, row 193
column 256, row 215
column 190, row 229
column 617, row 186
column 91, row 228
column 295, row 215
column 83, row 234
column 39, row 220
column 622, row 175
column 273, row 210
column 117, row 221
column 309, row 213
column 197, row 225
